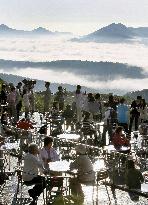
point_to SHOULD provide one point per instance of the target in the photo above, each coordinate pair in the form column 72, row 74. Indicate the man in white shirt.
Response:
column 32, row 164
column 48, row 153
column 107, row 127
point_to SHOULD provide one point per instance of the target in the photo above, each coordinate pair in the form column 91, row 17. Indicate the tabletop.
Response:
column 69, row 136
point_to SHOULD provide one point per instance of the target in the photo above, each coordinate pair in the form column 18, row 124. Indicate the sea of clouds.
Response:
column 41, row 49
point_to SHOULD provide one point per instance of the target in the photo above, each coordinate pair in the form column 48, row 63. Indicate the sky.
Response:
column 77, row 16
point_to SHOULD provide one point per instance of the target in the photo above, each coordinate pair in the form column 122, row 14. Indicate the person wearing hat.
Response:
column 85, row 172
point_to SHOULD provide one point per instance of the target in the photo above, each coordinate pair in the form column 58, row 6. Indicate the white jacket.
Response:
column 31, row 166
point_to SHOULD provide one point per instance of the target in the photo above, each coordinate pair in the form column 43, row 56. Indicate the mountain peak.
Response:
column 117, row 25
column 114, row 30
column 41, row 30
column 4, row 27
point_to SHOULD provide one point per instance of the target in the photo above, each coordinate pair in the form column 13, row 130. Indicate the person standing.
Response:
column 31, row 96
column 60, row 97
column 3, row 95
column 122, row 115
column 18, row 99
column 47, row 97
column 79, row 103
column 26, row 102
column 11, row 99
column 108, row 124
column 135, row 113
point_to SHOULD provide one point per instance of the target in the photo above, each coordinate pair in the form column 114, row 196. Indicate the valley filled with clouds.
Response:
column 48, row 48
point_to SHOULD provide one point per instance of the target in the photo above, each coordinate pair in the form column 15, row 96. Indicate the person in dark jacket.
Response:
column 133, row 179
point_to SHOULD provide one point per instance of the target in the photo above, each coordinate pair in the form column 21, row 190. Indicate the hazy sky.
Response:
column 79, row 16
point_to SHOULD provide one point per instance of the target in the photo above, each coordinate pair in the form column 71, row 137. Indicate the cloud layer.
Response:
column 48, row 49
column 124, row 85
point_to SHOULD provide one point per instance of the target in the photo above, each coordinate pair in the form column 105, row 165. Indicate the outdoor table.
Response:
column 59, row 166
column 122, row 149
column 99, row 165
column 9, row 146
column 69, row 136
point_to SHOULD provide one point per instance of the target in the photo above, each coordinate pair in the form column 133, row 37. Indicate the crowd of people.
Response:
column 82, row 114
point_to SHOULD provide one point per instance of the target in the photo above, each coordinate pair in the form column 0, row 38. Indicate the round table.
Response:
column 69, row 136
column 59, row 166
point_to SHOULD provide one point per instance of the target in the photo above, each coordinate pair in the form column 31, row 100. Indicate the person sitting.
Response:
column 133, row 178
column 24, row 124
column 48, row 153
column 85, row 172
column 30, row 174
column 119, row 138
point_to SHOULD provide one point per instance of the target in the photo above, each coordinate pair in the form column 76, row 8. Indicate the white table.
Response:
column 69, row 136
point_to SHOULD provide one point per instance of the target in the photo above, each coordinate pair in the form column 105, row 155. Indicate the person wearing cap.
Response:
column 85, row 172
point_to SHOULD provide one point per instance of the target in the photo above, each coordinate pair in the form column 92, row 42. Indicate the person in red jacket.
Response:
column 26, row 137
column 119, row 138
column 24, row 124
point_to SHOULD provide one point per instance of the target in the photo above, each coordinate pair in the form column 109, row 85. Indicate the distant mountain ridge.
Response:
column 101, row 71
column 134, row 94
column 115, row 32
column 4, row 29
column 40, row 85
